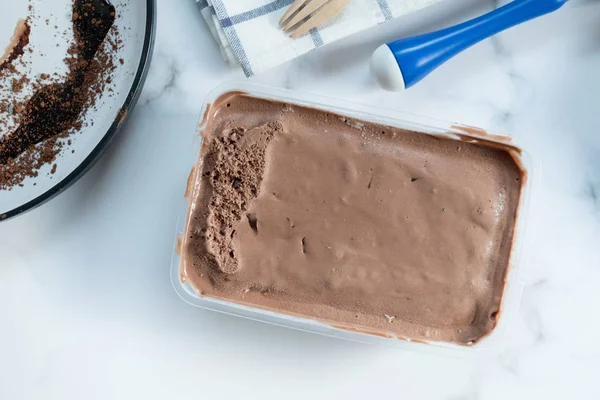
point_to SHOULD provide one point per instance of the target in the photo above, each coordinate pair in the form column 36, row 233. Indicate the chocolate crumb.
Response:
column 17, row 84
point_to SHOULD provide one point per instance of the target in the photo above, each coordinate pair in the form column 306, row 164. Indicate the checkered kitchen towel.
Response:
column 248, row 31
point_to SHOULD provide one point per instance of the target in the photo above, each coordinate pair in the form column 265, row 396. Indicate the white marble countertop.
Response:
column 87, row 306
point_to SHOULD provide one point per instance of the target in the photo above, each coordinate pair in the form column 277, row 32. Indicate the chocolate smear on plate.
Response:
column 19, row 40
column 56, row 109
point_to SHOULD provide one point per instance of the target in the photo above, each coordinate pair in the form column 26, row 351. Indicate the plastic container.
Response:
column 513, row 287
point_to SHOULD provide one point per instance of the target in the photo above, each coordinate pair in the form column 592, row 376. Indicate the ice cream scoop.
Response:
column 401, row 64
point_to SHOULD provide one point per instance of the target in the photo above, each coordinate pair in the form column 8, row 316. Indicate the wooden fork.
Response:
column 304, row 15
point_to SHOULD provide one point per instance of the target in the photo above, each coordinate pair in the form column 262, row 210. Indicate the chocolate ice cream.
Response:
column 359, row 225
column 18, row 41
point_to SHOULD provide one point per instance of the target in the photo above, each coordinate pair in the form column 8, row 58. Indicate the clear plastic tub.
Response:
column 513, row 287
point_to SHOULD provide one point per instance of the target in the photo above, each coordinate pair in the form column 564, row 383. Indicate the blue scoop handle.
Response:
column 418, row 56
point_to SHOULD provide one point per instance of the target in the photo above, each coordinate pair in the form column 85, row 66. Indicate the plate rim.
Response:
column 122, row 116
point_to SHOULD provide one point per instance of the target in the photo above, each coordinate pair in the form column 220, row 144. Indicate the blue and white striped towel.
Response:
column 248, row 31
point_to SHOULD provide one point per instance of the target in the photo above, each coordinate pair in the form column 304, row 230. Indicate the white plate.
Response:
column 136, row 24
